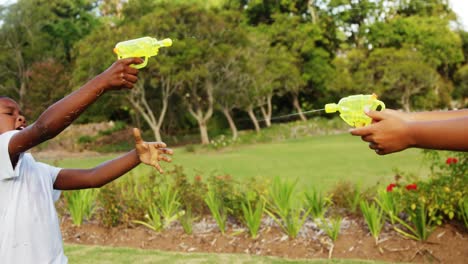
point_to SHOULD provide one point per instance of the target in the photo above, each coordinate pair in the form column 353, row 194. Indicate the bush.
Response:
column 433, row 201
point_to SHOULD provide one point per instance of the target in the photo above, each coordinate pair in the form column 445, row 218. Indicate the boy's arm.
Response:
column 391, row 133
column 430, row 115
column 148, row 153
column 61, row 114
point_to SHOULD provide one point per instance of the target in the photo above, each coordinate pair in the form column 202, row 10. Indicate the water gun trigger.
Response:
column 375, row 105
column 141, row 65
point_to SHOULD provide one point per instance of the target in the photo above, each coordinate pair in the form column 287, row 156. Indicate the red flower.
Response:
column 391, row 186
column 412, row 186
column 451, row 161
column 198, row 178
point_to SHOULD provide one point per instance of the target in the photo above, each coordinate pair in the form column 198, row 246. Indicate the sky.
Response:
column 459, row 6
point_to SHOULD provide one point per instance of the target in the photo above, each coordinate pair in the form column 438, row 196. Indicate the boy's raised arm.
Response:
column 61, row 114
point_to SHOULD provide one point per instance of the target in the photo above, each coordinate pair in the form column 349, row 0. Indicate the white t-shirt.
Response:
column 29, row 226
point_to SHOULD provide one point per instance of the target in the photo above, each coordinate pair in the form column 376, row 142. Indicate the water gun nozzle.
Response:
column 165, row 42
column 331, row 108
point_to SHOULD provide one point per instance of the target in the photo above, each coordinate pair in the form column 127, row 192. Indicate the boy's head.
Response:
column 11, row 117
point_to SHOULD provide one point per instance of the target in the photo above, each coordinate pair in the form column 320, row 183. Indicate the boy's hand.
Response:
column 150, row 153
column 120, row 75
column 388, row 133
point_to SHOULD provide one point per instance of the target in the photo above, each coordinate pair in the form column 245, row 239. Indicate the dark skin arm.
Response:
column 394, row 131
column 145, row 152
column 61, row 114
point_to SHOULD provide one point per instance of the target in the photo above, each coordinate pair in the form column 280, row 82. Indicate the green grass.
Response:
column 318, row 161
column 101, row 255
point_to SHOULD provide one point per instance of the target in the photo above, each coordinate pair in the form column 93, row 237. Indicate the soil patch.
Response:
column 447, row 244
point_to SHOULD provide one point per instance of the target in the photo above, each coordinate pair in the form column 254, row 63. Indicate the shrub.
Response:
column 191, row 194
column 284, row 208
column 109, row 201
column 81, row 204
column 252, row 216
column 418, row 205
column 373, row 217
column 346, row 195
column 217, row 208
column 317, row 203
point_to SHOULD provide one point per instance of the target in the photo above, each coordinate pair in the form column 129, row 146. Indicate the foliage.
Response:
column 464, row 211
column 109, row 201
column 81, row 204
column 253, row 216
column 346, row 195
column 317, row 203
column 162, row 201
column 332, row 227
column 419, row 206
column 421, row 227
column 186, row 220
column 168, row 204
column 283, row 207
column 154, row 221
column 192, row 194
column 268, row 53
column 373, row 217
column 387, row 202
column 461, row 82
column 217, row 208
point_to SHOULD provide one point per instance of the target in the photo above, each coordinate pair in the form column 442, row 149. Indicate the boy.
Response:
column 394, row 131
column 29, row 226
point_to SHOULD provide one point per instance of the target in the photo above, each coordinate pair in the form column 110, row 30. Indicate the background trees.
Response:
column 235, row 59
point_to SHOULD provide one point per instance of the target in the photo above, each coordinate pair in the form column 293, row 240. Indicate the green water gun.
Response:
column 141, row 47
column 352, row 108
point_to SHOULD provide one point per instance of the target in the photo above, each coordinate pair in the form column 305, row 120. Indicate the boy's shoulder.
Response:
column 6, row 168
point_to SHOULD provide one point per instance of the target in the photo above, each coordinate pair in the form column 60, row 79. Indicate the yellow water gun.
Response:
column 352, row 108
column 141, row 47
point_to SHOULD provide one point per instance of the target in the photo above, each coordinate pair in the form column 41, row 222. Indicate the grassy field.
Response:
column 102, row 255
column 318, row 161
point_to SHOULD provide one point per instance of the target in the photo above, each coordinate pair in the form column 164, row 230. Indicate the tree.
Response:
column 431, row 36
column 202, row 58
column 34, row 33
column 300, row 45
column 230, row 77
column 400, row 76
column 461, row 84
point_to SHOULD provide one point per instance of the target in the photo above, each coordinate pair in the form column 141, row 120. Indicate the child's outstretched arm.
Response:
column 394, row 132
column 61, row 114
column 150, row 153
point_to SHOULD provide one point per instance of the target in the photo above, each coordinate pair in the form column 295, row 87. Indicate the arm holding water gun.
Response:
column 26, row 185
column 393, row 131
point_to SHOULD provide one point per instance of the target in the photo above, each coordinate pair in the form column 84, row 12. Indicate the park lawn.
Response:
column 317, row 162
column 101, row 255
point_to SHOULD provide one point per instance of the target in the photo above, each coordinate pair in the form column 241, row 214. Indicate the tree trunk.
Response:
column 232, row 125
column 311, row 9
column 157, row 134
column 203, row 132
column 268, row 111
column 298, row 107
column 137, row 98
column 405, row 100
column 254, row 119
column 265, row 116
